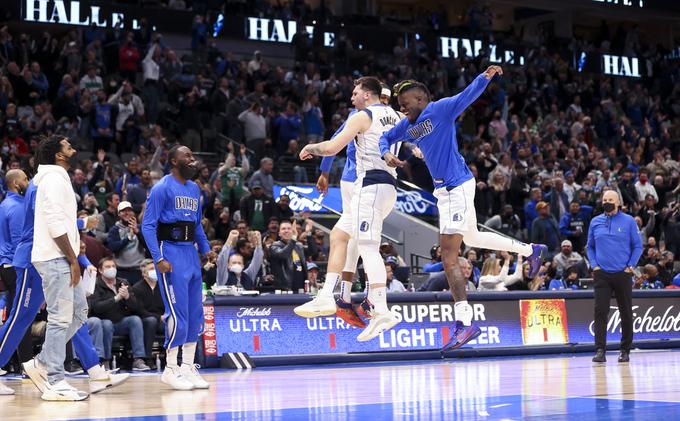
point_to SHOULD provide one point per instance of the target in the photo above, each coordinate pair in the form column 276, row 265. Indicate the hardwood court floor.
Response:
column 567, row 387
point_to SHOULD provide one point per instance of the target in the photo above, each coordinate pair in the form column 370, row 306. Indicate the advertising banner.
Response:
column 209, row 336
column 543, row 322
column 307, row 199
column 276, row 330
column 267, row 330
column 653, row 318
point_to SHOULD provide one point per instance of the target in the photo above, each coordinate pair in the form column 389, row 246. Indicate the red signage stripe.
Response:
column 545, row 334
column 331, row 337
column 446, row 335
column 256, row 343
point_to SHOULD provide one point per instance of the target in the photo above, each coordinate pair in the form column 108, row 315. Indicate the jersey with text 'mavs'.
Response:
column 434, row 133
column 171, row 201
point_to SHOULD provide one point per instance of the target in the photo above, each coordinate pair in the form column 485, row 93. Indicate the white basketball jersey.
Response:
column 368, row 157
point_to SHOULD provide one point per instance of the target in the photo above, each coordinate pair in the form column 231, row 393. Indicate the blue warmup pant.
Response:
column 181, row 290
column 27, row 301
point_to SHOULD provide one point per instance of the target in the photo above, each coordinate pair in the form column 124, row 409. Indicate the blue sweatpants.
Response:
column 181, row 290
column 27, row 301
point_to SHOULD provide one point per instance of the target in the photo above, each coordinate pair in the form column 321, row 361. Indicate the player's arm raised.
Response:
column 456, row 104
column 354, row 125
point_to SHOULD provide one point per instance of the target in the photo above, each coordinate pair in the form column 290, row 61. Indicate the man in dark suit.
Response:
column 287, row 258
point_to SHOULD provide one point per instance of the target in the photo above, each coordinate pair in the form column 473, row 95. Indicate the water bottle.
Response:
column 204, row 291
column 158, row 363
column 113, row 363
column 307, row 286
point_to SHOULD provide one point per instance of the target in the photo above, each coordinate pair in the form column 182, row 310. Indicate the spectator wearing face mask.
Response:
column 643, row 187
column 112, row 307
column 231, row 268
column 148, row 305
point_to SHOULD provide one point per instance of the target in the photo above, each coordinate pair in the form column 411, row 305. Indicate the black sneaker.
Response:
column 624, row 356
column 73, row 368
column 151, row 363
column 600, row 356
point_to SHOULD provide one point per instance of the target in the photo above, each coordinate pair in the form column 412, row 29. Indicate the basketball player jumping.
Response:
column 430, row 126
column 343, row 248
column 372, row 200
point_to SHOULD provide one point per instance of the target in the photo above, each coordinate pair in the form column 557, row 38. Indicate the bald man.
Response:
column 11, row 222
column 614, row 248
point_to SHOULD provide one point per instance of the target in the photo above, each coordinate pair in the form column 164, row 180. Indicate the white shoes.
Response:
column 4, row 390
column 190, row 373
column 380, row 322
column 321, row 305
column 174, row 378
column 37, row 373
column 101, row 379
column 62, row 391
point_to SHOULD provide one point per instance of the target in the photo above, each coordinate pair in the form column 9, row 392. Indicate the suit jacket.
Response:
column 281, row 263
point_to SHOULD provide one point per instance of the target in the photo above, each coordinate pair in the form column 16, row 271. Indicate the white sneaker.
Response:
column 321, row 305
column 4, row 390
column 62, row 391
column 190, row 372
column 379, row 323
column 100, row 379
column 174, row 378
column 37, row 373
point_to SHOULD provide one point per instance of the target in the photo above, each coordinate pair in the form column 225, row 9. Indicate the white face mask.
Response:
column 152, row 275
column 236, row 268
column 110, row 273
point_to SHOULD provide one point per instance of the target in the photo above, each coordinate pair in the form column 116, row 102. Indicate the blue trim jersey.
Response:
column 22, row 254
column 434, row 132
column 11, row 221
column 349, row 172
column 171, row 201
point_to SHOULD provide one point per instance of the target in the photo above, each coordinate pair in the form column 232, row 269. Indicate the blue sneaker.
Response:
column 365, row 309
column 346, row 312
column 536, row 259
column 462, row 335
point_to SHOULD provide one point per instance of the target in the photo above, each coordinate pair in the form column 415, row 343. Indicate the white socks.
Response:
column 346, row 291
column 463, row 312
column 330, row 283
column 171, row 357
column 378, row 297
column 188, row 353
column 491, row 241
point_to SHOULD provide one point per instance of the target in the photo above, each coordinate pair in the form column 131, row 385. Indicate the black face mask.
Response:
column 608, row 207
column 187, row 171
column 72, row 160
